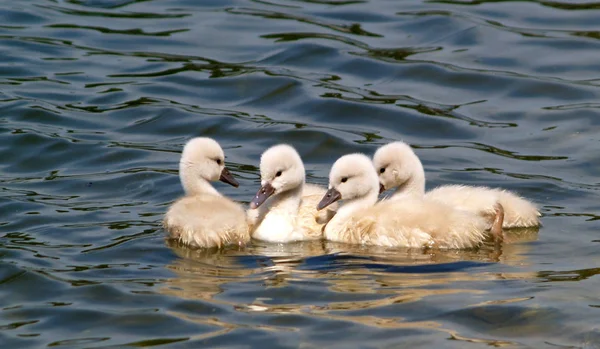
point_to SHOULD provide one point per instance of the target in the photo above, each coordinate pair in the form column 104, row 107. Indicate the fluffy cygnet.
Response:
column 284, row 208
column 203, row 217
column 408, row 222
column 399, row 167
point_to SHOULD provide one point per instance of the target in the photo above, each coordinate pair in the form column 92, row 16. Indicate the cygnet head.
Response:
column 203, row 158
column 281, row 169
column 351, row 177
column 396, row 164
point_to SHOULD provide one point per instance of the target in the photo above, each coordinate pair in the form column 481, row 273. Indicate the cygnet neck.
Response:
column 277, row 217
column 350, row 207
column 195, row 185
column 415, row 185
column 412, row 187
column 288, row 201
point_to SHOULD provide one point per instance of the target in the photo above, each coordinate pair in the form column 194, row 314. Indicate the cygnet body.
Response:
column 408, row 222
column 399, row 167
column 203, row 217
column 284, row 208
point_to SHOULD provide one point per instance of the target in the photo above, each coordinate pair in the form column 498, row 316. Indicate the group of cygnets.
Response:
column 287, row 209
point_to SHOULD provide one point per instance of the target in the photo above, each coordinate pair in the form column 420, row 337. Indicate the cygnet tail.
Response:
column 518, row 212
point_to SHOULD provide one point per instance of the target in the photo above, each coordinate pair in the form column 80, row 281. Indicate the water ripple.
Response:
column 98, row 98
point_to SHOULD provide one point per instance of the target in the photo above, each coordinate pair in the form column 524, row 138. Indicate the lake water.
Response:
column 97, row 98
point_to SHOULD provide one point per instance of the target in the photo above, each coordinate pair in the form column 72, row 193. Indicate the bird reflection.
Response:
column 347, row 268
column 386, row 282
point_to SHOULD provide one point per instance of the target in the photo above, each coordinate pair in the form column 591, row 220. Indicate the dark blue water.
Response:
column 97, row 98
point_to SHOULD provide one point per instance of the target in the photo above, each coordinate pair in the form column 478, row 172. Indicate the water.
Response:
column 97, row 98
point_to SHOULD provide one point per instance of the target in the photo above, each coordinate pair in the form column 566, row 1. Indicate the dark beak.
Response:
column 381, row 188
column 262, row 195
column 330, row 197
column 228, row 178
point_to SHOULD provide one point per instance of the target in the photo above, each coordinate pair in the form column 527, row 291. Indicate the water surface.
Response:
column 98, row 97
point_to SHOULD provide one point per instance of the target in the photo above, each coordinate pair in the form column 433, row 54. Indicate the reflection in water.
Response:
column 373, row 281
column 382, row 289
column 201, row 272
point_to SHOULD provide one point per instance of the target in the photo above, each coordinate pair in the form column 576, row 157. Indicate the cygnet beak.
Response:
column 329, row 198
column 228, row 178
column 381, row 188
column 262, row 195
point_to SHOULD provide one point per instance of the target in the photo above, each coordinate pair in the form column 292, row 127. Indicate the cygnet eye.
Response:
column 218, row 161
column 344, row 180
column 382, row 170
column 278, row 174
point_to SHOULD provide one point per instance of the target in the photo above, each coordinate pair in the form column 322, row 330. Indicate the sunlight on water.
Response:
column 98, row 98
